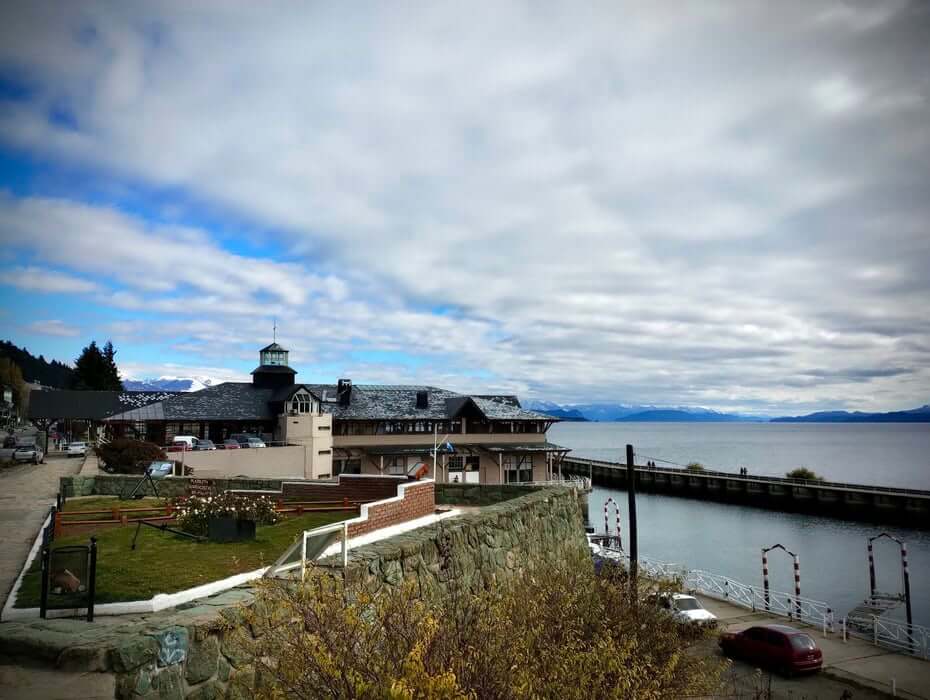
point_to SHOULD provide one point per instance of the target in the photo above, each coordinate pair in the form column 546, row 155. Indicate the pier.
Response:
column 910, row 507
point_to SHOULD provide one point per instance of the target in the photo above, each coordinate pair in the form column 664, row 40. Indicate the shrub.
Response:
column 194, row 513
column 695, row 467
column 803, row 473
column 126, row 456
column 566, row 633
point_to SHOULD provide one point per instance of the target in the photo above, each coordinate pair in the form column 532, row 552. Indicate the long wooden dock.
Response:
column 861, row 502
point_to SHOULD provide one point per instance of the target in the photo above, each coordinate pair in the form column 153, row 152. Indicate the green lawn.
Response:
column 166, row 563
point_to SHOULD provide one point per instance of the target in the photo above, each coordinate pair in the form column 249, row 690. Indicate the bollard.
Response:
column 894, row 687
column 843, row 624
column 874, row 630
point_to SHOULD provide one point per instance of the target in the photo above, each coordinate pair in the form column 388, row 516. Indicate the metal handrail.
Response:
column 768, row 479
column 911, row 639
column 815, row 612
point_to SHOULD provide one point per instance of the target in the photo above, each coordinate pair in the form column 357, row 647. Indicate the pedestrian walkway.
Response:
column 855, row 661
column 26, row 492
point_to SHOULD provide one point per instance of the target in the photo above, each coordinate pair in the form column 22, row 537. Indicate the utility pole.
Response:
column 631, row 494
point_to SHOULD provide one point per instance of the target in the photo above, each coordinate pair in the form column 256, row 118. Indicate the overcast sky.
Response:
column 711, row 204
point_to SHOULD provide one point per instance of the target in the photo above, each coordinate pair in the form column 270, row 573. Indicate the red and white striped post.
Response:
column 907, row 588
column 765, row 576
column 797, row 575
column 617, row 539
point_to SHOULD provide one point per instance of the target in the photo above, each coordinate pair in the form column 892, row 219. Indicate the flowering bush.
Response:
column 194, row 512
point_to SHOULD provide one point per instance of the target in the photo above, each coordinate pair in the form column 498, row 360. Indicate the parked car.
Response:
column 189, row 440
column 205, row 445
column 685, row 608
column 246, row 440
column 231, row 444
column 780, row 647
column 28, row 453
column 77, row 449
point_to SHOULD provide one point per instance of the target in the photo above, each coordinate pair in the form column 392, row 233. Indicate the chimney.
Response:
column 344, row 392
column 422, row 399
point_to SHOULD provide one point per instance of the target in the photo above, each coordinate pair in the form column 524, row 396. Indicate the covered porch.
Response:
column 481, row 463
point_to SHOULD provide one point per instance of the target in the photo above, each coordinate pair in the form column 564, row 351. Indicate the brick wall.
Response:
column 419, row 500
column 355, row 488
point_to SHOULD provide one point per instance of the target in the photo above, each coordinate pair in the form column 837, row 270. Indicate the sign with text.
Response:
column 201, row 488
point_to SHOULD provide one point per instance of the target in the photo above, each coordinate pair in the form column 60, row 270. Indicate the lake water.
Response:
column 727, row 539
column 887, row 454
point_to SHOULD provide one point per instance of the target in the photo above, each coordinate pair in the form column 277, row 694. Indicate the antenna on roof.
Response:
column 274, row 331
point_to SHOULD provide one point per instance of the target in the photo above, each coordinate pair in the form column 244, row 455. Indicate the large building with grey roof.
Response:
column 352, row 428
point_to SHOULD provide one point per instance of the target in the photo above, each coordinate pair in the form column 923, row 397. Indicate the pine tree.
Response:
column 96, row 369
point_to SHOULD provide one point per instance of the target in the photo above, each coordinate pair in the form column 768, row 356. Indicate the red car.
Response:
column 781, row 647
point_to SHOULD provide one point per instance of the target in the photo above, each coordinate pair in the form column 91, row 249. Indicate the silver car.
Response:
column 28, row 453
column 77, row 449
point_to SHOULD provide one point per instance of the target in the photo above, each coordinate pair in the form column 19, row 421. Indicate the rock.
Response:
column 202, row 660
column 169, row 684
column 133, row 653
column 211, row 690
column 241, row 684
column 237, row 647
column 223, row 669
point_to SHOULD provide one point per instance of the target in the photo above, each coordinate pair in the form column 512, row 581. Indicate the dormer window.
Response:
column 301, row 403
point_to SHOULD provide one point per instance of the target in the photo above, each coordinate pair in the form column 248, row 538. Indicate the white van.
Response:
column 189, row 440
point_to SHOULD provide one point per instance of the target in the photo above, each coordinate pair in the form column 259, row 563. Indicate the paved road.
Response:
column 855, row 666
column 26, row 492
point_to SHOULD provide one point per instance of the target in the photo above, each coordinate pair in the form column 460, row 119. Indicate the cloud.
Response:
column 53, row 327
column 636, row 204
column 38, row 279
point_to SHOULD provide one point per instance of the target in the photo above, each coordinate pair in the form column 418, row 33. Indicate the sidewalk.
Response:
column 26, row 492
column 855, row 661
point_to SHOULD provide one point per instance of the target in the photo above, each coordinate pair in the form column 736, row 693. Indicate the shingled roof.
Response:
column 89, row 405
column 244, row 401
column 399, row 402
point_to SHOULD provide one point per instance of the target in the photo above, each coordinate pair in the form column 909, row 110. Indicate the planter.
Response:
column 230, row 529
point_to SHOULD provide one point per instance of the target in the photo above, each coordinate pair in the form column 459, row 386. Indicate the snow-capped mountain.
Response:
column 168, row 384
column 631, row 412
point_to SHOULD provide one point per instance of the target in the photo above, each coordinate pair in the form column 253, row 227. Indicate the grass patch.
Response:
column 166, row 563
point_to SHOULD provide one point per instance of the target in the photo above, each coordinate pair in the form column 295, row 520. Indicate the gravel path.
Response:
column 26, row 492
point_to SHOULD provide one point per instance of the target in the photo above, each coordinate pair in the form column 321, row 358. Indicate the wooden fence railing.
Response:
column 120, row 515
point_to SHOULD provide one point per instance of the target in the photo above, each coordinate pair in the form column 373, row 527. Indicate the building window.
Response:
column 395, row 465
column 347, row 466
column 301, row 403
column 518, row 468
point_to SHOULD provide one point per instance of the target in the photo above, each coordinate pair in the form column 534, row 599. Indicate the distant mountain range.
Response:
column 685, row 414
column 915, row 415
column 633, row 412
column 167, row 384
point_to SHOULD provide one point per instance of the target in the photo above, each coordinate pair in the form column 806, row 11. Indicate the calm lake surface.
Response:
column 887, row 454
column 727, row 539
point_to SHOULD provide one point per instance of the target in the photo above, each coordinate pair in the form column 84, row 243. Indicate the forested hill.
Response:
column 38, row 369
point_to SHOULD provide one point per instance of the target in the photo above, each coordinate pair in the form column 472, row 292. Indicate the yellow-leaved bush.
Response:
column 569, row 633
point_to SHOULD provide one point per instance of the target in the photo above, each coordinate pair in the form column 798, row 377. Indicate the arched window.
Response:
column 302, row 403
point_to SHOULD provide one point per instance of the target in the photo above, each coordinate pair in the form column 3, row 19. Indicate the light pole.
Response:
column 436, row 442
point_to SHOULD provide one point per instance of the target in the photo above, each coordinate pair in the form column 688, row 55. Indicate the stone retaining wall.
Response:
column 198, row 652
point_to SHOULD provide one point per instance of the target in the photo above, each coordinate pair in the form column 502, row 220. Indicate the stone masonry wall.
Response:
column 199, row 651
column 419, row 500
